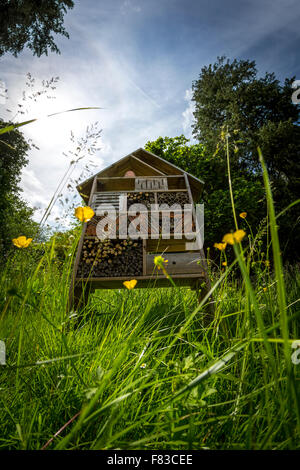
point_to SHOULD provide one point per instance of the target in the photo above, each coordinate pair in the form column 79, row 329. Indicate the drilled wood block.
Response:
column 178, row 263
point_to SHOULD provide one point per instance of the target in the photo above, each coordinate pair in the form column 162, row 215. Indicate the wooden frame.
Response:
column 183, row 265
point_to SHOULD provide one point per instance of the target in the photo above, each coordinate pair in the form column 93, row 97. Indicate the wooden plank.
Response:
column 119, row 184
column 165, row 246
column 157, row 275
column 155, row 280
column 111, row 185
column 181, row 280
column 133, row 177
column 178, row 263
column 176, row 183
column 147, row 191
column 158, row 162
column 140, row 164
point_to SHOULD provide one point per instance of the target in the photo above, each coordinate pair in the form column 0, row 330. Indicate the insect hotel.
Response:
column 137, row 189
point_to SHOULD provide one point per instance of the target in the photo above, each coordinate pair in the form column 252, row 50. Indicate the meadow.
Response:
column 147, row 368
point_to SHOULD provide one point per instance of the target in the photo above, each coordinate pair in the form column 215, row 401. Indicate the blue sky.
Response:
column 138, row 59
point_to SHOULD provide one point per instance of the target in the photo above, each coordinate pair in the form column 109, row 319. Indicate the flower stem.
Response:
column 230, row 183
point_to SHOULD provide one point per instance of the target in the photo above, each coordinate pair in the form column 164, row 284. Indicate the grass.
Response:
column 142, row 369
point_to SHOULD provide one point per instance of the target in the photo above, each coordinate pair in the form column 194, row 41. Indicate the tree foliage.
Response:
column 15, row 215
column 231, row 95
column 32, row 24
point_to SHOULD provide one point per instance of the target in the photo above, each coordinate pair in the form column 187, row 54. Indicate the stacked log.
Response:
column 111, row 258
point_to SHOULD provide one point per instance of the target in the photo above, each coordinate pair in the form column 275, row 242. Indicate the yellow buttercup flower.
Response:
column 264, row 289
column 220, row 246
column 130, row 284
column 22, row 242
column 159, row 262
column 224, row 263
column 235, row 237
column 243, row 215
column 84, row 214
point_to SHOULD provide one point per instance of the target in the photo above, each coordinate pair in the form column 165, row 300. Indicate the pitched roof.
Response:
column 145, row 164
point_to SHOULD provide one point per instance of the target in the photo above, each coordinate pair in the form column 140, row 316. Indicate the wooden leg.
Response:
column 201, row 288
column 78, row 297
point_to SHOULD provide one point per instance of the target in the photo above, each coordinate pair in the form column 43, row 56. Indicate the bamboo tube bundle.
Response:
column 175, row 221
column 142, row 198
column 173, row 197
column 111, row 258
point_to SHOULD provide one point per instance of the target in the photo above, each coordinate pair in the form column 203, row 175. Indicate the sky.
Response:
column 136, row 60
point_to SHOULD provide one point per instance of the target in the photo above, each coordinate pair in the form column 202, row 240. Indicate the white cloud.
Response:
column 129, row 5
column 187, row 114
column 33, row 189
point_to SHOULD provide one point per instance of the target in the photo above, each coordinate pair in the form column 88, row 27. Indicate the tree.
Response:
column 230, row 95
column 32, row 24
column 15, row 215
column 248, row 188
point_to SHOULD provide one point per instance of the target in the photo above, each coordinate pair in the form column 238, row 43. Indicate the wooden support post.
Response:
column 81, row 296
column 73, row 291
column 204, row 263
column 201, row 291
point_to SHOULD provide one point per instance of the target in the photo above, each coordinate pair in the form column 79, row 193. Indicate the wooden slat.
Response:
column 182, row 190
column 106, row 200
column 156, row 280
column 157, row 275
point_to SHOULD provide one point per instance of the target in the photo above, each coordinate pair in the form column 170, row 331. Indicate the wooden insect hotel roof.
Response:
column 143, row 163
